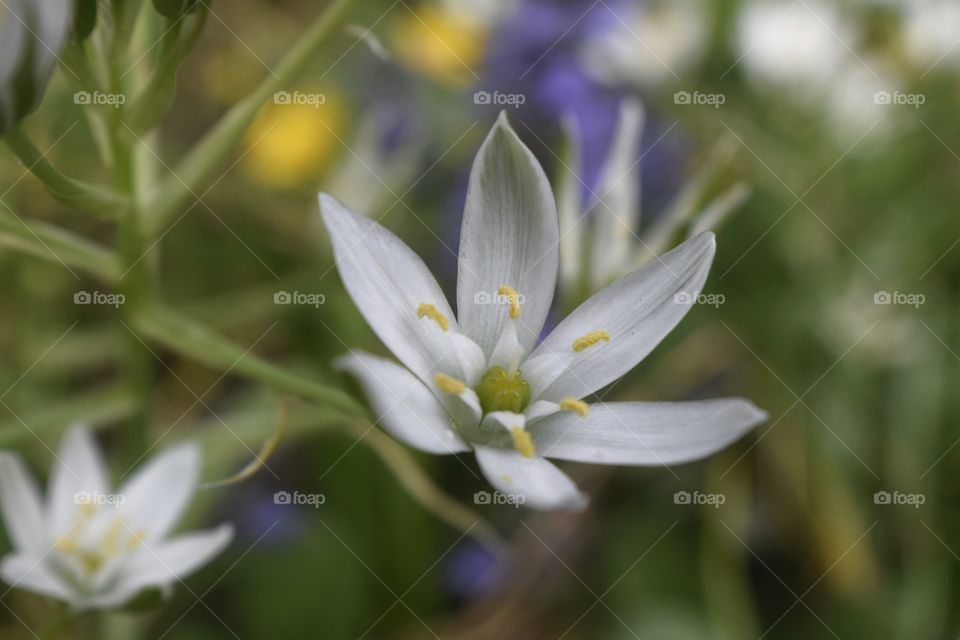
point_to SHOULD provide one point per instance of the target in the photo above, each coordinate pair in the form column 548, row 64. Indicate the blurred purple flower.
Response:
column 473, row 572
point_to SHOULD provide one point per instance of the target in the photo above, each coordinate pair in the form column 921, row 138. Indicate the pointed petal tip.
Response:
column 328, row 203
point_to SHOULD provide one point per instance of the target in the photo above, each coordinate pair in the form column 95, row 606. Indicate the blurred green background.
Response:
column 844, row 119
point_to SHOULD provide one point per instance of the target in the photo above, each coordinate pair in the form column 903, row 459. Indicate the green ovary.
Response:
column 501, row 391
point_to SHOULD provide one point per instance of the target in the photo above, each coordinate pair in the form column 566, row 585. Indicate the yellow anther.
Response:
column 136, row 540
column 65, row 544
column 513, row 298
column 523, row 443
column 449, row 385
column 427, row 310
column 592, row 338
column 577, row 406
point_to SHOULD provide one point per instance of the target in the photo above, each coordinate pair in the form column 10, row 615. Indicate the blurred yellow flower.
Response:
column 294, row 138
column 440, row 44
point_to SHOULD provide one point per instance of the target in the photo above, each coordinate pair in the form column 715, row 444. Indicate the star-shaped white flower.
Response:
column 479, row 381
column 600, row 238
column 96, row 549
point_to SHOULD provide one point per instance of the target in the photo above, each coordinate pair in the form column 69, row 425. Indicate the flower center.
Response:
column 502, row 391
column 92, row 552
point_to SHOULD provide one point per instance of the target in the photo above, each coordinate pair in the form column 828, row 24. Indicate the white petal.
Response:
column 21, row 506
column 79, row 468
column 540, row 409
column 498, row 426
column 509, row 236
column 405, row 407
column 637, row 311
column 508, row 354
column 30, row 572
column 165, row 563
column 616, row 213
column 542, row 485
column 50, row 27
column 12, row 37
column 646, row 433
column 157, row 495
column 388, row 282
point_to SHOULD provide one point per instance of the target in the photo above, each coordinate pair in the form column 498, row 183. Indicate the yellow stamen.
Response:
column 577, row 406
column 87, row 510
column 523, row 443
column 65, row 544
column 111, row 539
column 449, row 385
column 590, row 339
column 513, row 298
column 136, row 540
column 427, row 310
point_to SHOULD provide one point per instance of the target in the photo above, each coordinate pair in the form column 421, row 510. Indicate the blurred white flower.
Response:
column 794, row 46
column 808, row 53
column 478, row 381
column 649, row 43
column 31, row 34
column 95, row 549
column 931, row 31
column 600, row 242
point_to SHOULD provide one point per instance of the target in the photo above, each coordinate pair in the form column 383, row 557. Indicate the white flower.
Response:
column 600, row 242
column 96, row 549
column 651, row 43
column 479, row 381
column 930, row 31
column 810, row 53
column 31, row 34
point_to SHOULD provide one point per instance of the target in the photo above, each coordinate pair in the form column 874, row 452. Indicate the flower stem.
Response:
column 210, row 152
column 196, row 341
column 52, row 243
column 422, row 488
column 58, row 625
column 100, row 201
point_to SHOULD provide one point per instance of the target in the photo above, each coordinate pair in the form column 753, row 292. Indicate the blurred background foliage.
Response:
column 854, row 193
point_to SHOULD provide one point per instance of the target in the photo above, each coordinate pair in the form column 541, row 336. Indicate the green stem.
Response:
column 94, row 199
column 95, row 408
column 138, row 281
column 52, row 243
column 198, row 342
column 155, row 98
column 57, row 626
column 210, row 152
column 398, row 459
